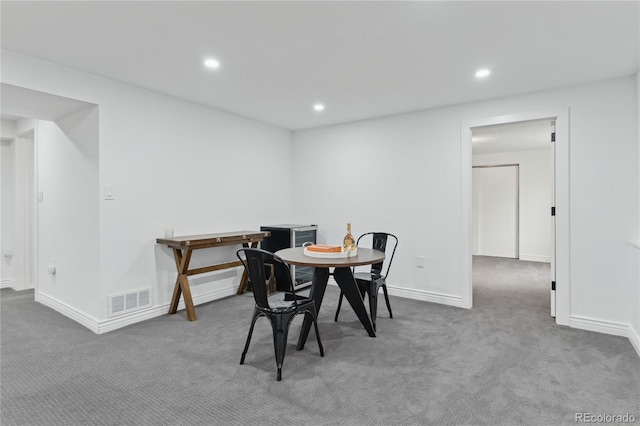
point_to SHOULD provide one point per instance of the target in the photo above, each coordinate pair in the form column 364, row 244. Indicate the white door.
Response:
column 496, row 189
column 553, row 219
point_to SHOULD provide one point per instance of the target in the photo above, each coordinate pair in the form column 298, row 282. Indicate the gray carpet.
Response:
column 502, row 363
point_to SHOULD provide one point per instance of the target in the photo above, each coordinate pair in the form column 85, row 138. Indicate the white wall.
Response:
column 195, row 169
column 68, row 216
column 402, row 174
column 173, row 164
column 534, row 198
column 7, row 129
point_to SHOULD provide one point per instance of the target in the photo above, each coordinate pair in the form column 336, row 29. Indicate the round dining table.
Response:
column 342, row 274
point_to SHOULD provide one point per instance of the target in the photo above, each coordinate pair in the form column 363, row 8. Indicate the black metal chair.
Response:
column 371, row 282
column 279, row 307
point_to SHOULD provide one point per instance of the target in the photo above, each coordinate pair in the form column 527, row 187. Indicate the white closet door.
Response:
column 497, row 190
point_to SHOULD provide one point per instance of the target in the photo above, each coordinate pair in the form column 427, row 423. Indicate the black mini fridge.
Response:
column 290, row 235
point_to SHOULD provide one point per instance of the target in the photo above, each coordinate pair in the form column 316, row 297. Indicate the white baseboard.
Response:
column 68, row 311
column 99, row 327
column 115, row 323
column 607, row 327
column 634, row 337
column 159, row 310
column 598, row 325
column 8, row 283
column 427, row 296
column 535, row 258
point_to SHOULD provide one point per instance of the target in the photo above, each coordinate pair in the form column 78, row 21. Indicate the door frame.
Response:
column 31, row 134
column 562, row 204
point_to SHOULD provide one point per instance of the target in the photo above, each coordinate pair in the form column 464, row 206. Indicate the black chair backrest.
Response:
column 380, row 240
column 254, row 262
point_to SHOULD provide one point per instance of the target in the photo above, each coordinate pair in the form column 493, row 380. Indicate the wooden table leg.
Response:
column 177, row 290
column 188, row 301
column 182, row 284
column 245, row 278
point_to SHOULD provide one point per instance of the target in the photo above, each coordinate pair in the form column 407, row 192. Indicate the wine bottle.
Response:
column 348, row 243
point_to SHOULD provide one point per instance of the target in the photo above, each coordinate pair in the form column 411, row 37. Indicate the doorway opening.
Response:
column 512, row 192
column 527, row 238
column 18, row 211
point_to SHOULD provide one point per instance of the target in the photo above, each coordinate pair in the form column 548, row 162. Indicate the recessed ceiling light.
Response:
column 318, row 107
column 212, row 63
column 483, row 73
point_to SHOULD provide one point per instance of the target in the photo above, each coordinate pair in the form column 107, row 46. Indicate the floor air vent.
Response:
column 127, row 302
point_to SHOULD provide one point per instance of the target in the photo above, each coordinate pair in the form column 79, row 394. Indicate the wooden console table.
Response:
column 182, row 250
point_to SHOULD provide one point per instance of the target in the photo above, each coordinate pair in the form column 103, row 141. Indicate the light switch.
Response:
column 420, row 262
column 40, row 196
column 52, row 267
column 109, row 192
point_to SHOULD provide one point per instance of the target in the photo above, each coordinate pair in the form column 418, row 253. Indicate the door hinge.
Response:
column 553, row 285
column 553, row 136
column 553, row 211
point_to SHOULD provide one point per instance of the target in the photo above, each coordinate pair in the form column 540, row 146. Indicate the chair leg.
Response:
column 386, row 298
column 373, row 304
column 339, row 306
column 280, row 324
column 256, row 314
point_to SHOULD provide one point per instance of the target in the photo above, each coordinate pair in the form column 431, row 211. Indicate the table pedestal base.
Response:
column 346, row 282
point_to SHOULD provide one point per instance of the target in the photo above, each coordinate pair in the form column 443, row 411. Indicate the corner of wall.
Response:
column 68, row 311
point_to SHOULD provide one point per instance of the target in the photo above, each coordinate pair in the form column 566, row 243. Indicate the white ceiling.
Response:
column 361, row 59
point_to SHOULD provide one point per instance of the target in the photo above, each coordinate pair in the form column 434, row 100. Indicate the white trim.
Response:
column 466, row 216
column 25, row 269
column 563, row 276
column 100, row 327
column 8, row 283
column 36, row 216
column 607, row 327
column 535, row 258
column 600, row 326
column 634, row 337
column 160, row 310
column 68, row 311
column 427, row 296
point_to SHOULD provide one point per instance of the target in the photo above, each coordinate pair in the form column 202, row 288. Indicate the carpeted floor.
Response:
column 504, row 362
